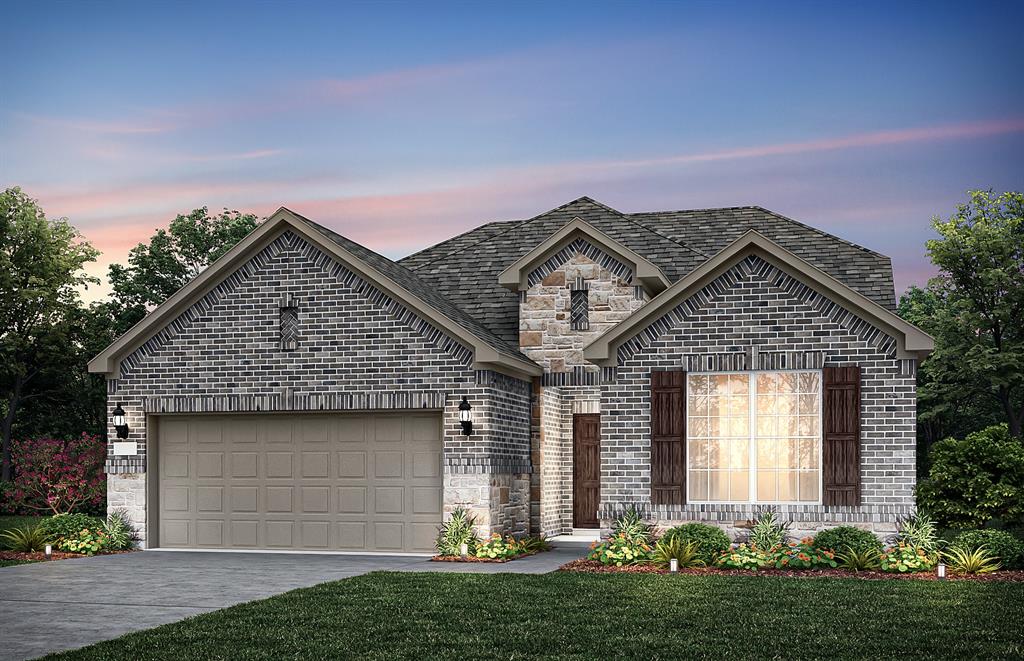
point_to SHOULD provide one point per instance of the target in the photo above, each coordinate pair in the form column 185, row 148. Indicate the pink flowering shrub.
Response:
column 59, row 475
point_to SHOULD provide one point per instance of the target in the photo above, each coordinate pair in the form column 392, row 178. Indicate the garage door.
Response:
column 307, row 482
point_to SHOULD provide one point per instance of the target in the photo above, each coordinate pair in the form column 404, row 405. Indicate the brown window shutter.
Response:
column 668, row 438
column 841, row 441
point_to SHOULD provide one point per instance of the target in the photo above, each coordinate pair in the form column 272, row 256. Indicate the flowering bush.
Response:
column 905, row 558
column 802, row 555
column 743, row 557
column 498, row 547
column 620, row 550
column 59, row 475
column 86, row 540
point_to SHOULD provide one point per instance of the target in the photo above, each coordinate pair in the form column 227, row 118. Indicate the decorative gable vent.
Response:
column 579, row 303
column 289, row 325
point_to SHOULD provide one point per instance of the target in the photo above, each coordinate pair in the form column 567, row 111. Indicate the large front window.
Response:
column 754, row 437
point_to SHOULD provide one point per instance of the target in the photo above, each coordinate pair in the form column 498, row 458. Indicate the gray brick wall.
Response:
column 357, row 349
column 756, row 317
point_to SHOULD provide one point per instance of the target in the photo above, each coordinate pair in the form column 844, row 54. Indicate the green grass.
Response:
column 454, row 616
column 11, row 563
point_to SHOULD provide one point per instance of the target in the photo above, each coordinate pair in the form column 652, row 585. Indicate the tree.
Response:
column 977, row 316
column 170, row 260
column 41, row 272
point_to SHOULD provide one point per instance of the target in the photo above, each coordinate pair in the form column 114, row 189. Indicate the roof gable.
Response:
column 911, row 341
column 644, row 273
column 490, row 351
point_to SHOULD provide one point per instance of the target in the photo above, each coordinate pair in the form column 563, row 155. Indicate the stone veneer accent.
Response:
column 545, row 334
column 357, row 349
column 757, row 317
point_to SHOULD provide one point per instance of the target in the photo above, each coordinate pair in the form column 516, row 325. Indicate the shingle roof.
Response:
column 466, row 267
column 408, row 280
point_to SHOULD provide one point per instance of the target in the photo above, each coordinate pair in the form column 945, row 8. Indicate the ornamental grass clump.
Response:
column 121, row 533
column 998, row 543
column 920, row 531
column 978, row 561
column 857, row 561
column 686, row 555
column 768, row 530
column 27, row 539
column 455, row 532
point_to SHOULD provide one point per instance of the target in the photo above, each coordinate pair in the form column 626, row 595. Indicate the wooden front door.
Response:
column 586, row 469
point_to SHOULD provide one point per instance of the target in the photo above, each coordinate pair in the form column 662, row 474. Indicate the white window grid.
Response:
column 746, row 439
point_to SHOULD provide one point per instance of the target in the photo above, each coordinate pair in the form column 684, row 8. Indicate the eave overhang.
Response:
column 485, row 356
column 911, row 341
column 645, row 274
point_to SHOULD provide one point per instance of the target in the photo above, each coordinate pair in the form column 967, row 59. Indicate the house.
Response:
column 307, row 393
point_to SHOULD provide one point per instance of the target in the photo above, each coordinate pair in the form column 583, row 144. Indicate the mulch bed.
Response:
column 473, row 558
column 39, row 556
column 595, row 567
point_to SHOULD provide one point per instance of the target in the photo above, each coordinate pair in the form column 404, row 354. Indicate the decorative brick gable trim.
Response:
column 580, row 247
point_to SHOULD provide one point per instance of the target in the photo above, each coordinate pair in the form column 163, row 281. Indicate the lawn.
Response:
column 433, row 615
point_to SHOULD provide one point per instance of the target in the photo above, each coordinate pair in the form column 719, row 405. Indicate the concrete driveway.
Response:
column 52, row 606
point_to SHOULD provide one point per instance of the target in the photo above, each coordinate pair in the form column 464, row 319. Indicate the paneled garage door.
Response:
column 340, row 482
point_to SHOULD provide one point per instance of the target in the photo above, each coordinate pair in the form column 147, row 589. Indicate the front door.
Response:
column 586, row 469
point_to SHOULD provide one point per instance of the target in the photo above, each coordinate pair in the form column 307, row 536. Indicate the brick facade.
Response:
column 357, row 349
column 756, row 317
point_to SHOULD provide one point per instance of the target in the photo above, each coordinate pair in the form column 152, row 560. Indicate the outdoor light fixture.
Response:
column 465, row 417
column 48, row 551
column 941, row 569
column 120, row 422
column 464, row 549
column 673, row 565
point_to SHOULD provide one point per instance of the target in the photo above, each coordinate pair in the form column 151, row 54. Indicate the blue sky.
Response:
column 402, row 124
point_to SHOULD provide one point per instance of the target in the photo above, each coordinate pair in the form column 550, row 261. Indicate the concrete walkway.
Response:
column 53, row 606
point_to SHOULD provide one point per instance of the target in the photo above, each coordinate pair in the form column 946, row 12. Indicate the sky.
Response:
column 402, row 124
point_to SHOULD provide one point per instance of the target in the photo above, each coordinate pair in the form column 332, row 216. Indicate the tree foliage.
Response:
column 172, row 258
column 41, row 274
column 975, row 310
column 60, row 475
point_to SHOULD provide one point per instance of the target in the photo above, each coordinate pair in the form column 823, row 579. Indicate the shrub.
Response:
column 768, row 530
column 904, row 558
column 27, row 539
column 863, row 560
column 743, row 557
column 59, row 526
column 455, row 532
column 918, row 530
column 87, row 541
column 621, row 550
column 974, row 480
column 534, row 544
column 977, row 561
column 711, row 541
column 60, row 475
column 1005, row 547
column 121, row 533
column 686, row 555
column 848, row 538
column 632, row 526
column 802, row 555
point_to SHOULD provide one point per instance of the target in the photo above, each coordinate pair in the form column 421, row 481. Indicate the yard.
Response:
column 423, row 615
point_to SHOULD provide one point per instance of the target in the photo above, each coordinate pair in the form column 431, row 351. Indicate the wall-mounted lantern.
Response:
column 466, row 416
column 120, row 421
